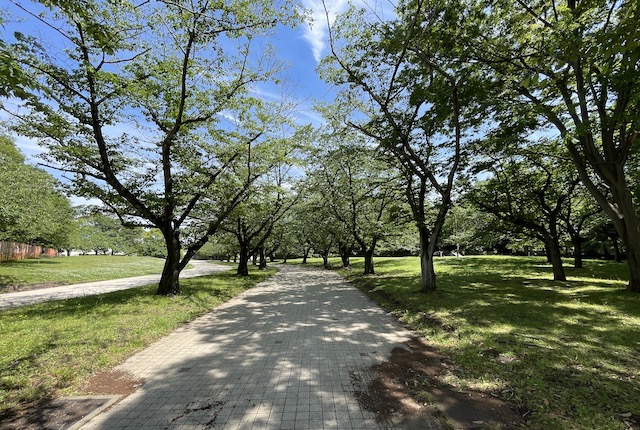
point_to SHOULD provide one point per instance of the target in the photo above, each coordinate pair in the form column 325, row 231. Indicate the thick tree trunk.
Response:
column 427, row 273
column 555, row 255
column 346, row 260
column 630, row 236
column 305, row 254
column 284, row 260
column 577, row 250
column 169, row 281
column 368, row 262
column 243, row 261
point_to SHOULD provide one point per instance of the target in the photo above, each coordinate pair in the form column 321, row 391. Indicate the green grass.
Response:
column 71, row 270
column 51, row 348
column 564, row 354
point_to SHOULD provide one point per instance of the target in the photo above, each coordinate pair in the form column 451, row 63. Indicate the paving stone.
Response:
column 279, row 356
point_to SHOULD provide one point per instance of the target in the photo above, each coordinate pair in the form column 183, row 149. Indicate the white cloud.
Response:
column 315, row 32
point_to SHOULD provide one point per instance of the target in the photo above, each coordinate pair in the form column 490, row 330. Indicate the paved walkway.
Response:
column 22, row 298
column 290, row 353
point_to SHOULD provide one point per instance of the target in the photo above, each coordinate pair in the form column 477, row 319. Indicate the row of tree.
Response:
column 529, row 112
column 450, row 84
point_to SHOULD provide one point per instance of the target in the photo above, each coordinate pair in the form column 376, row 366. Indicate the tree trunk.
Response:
column 254, row 259
column 547, row 253
column 169, row 281
column 628, row 228
column 368, row 262
column 305, row 254
column 263, row 260
column 346, row 260
column 284, row 260
column 555, row 255
column 577, row 250
column 427, row 273
column 243, row 261
column 616, row 250
column 325, row 260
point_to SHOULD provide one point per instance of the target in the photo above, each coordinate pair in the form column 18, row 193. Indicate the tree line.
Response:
column 522, row 117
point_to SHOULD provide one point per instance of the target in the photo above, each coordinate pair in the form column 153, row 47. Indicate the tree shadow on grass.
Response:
column 564, row 350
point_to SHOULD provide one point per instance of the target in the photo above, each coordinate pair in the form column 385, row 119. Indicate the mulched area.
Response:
column 406, row 391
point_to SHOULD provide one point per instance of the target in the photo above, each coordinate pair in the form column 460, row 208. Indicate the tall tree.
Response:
column 404, row 87
column 575, row 64
column 147, row 107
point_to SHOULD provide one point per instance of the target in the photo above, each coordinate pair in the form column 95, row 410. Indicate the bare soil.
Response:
column 62, row 413
column 28, row 287
column 407, row 391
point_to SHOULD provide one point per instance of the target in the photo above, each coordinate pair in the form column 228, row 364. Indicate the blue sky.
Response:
column 301, row 49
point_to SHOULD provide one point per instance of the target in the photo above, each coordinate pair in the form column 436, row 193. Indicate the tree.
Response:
column 574, row 64
column 151, row 112
column 580, row 208
column 413, row 97
column 530, row 190
column 32, row 209
column 253, row 221
column 361, row 191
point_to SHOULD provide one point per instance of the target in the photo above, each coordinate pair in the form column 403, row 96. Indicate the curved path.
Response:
column 22, row 298
column 290, row 353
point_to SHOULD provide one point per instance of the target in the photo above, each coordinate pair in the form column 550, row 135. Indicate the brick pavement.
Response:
column 288, row 354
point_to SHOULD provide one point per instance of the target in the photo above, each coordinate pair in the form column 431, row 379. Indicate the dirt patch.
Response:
column 406, row 390
column 62, row 413
column 52, row 414
column 113, row 382
column 28, row 287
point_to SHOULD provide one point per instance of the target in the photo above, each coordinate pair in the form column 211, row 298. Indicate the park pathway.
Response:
column 291, row 353
column 22, row 298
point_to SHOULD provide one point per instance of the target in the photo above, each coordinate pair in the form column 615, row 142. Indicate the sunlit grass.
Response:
column 53, row 347
column 70, row 270
column 564, row 354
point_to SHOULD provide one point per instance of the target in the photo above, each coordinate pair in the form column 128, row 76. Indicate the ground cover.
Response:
column 44, row 272
column 566, row 355
column 52, row 348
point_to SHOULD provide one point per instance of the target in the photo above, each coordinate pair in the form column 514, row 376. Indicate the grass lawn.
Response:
column 51, row 348
column 72, row 270
column 564, row 354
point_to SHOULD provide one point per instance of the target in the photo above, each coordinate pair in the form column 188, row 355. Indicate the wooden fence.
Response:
column 20, row 251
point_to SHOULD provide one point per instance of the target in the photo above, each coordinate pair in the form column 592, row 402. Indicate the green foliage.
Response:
column 32, row 210
column 148, row 107
column 99, row 332
column 563, row 353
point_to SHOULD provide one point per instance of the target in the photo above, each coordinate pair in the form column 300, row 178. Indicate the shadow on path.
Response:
column 287, row 354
